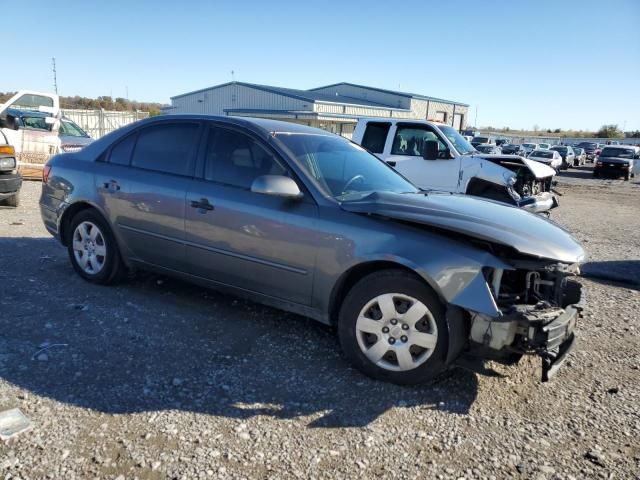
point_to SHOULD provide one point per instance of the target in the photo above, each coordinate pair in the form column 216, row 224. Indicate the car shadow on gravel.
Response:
column 153, row 344
column 625, row 272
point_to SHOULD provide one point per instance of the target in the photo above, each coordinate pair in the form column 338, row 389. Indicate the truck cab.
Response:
column 435, row 156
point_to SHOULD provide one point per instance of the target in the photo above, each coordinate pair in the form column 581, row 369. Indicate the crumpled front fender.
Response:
column 462, row 283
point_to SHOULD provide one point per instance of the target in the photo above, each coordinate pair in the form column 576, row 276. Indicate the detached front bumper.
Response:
column 543, row 202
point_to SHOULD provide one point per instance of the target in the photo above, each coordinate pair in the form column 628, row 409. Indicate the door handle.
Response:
column 203, row 205
column 111, row 185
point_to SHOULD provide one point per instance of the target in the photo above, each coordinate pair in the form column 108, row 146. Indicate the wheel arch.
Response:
column 67, row 217
column 357, row 272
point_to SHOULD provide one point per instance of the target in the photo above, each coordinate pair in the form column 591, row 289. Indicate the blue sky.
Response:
column 555, row 64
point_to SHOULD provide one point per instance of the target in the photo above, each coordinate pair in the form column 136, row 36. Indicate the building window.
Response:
column 441, row 117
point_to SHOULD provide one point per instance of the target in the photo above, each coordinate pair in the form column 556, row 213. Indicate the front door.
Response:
column 251, row 241
column 406, row 151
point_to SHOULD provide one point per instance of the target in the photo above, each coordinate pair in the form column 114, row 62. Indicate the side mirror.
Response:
column 10, row 122
column 430, row 150
column 276, row 185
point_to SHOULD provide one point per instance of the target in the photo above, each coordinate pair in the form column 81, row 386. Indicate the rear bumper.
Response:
column 10, row 184
column 543, row 202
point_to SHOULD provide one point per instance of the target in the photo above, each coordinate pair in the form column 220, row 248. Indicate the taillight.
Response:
column 45, row 173
column 7, row 150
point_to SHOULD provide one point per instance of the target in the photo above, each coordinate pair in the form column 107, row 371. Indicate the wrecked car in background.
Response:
column 309, row 222
column 35, row 127
column 434, row 156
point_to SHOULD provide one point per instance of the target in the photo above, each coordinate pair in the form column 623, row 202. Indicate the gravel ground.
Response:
column 158, row 379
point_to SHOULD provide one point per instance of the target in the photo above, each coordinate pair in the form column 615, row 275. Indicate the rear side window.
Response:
column 167, row 148
column 375, row 136
column 235, row 159
column 121, row 152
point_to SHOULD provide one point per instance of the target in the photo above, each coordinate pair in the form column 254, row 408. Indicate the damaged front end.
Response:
column 532, row 183
column 538, row 309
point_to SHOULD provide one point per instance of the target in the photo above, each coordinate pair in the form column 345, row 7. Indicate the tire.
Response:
column 596, row 175
column 13, row 201
column 104, row 265
column 627, row 177
column 376, row 354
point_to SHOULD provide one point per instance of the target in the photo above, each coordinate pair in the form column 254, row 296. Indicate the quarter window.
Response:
column 121, row 152
column 167, row 148
column 410, row 141
column 375, row 137
column 233, row 158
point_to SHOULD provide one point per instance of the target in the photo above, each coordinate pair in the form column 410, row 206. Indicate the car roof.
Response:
column 264, row 125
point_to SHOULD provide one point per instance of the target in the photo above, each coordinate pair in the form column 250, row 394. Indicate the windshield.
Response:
column 577, row 150
column 544, row 145
column 542, row 154
column 560, row 149
column 617, row 152
column 459, row 142
column 529, row 145
column 480, row 140
column 67, row 127
column 343, row 169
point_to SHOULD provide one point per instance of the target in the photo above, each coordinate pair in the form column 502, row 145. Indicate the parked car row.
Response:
column 309, row 222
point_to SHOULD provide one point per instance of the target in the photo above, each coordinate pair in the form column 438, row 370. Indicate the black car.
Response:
column 589, row 148
column 512, row 149
column 617, row 161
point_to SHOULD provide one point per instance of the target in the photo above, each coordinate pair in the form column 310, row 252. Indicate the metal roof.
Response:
column 305, row 95
column 394, row 92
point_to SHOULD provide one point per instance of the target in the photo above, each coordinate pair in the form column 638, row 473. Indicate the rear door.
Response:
column 406, row 151
column 143, row 184
column 255, row 242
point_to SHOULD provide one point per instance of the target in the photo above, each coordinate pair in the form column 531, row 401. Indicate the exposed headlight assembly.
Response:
column 7, row 163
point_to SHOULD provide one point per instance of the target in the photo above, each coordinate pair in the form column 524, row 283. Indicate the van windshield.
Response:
column 459, row 142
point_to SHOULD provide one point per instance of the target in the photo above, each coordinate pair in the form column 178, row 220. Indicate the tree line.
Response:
column 106, row 102
column 606, row 131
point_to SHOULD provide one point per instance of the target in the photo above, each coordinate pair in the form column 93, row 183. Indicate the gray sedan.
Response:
column 309, row 222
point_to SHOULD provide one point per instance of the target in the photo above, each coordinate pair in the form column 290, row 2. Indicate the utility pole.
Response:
column 126, row 89
column 55, row 77
column 475, row 122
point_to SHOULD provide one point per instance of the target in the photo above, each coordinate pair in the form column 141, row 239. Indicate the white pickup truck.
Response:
column 435, row 156
column 33, row 124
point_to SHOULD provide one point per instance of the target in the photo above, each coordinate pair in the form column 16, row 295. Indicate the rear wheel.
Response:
column 93, row 250
column 392, row 327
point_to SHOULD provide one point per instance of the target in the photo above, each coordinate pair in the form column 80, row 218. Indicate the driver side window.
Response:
column 410, row 141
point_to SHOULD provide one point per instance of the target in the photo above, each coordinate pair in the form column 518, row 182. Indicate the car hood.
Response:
column 495, row 222
column 513, row 161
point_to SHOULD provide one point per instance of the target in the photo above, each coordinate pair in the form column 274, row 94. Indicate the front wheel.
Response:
column 392, row 327
column 93, row 250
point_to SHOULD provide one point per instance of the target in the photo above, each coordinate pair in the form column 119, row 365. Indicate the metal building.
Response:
column 335, row 108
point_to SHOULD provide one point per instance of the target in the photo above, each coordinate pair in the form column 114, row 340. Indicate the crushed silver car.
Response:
column 309, row 222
